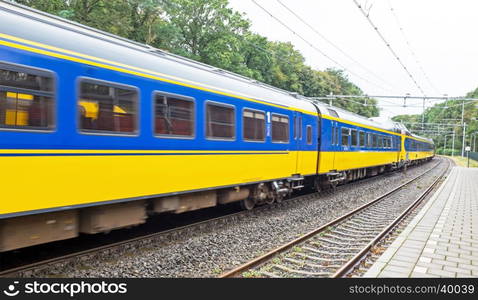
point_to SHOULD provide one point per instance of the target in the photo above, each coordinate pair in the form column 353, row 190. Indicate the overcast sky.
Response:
column 441, row 33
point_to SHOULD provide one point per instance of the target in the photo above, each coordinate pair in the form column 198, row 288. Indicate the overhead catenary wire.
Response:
column 389, row 47
column 379, row 107
column 334, row 45
column 315, row 48
column 410, row 48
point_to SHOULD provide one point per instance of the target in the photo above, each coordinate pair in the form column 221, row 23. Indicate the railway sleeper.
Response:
column 299, row 272
column 319, row 259
column 320, row 252
column 352, row 239
column 311, row 265
column 304, row 266
column 342, row 250
column 340, row 231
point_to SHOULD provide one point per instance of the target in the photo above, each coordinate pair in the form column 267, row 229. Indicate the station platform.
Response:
column 442, row 239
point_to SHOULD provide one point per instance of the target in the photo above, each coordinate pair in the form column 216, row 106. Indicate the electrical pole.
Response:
column 474, row 143
column 423, row 113
column 444, row 147
column 463, row 124
column 453, row 145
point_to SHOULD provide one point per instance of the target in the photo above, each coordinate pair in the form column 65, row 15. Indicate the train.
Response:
column 98, row 132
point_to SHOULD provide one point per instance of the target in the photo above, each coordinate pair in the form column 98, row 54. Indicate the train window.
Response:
column 336, row 136
column 220, row 120
column 369, row 140
column 380, row 141
column 361, row 139
column 280, row 128
column 309, row 135
column 336, row 131
column 108, row 108
column 345, row 136
column 26, row 98
column 333, row 139
column 173, row 115
column 254, row 125
column 300, row 128
column 354, row 138
column 374, row 140
column 333, row 113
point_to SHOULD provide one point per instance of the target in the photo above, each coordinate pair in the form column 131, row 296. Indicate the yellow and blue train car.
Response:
column 97, row 132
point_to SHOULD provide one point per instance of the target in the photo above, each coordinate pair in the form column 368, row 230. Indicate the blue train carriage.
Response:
column 418, row 148
column 97, row 131
column 354, row 147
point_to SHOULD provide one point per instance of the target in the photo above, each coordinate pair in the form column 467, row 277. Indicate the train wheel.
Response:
column 270, row 200
column 248, row 204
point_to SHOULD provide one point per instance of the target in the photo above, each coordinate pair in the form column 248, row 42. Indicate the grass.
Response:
column 276, row 260
column 463, row 161
column 251, row 274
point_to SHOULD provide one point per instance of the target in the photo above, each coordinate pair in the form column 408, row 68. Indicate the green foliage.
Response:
column 407, row 119
column 448, row 152
column 210, row 32
column 449, row 112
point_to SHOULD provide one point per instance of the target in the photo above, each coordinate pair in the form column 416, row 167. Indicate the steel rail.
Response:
column 269, row 255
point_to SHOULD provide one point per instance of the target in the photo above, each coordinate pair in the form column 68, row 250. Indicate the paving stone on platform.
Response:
column 442, row 239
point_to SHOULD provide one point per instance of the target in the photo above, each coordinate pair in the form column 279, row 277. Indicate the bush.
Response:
column 448, row 152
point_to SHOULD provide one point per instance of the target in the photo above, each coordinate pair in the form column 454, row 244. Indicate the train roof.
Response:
column 30, row 24
column 422, row 138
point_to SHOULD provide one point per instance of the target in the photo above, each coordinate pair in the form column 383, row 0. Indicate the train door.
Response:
column 403, row 152
column 298, row 140
column 334, row 145
column 397, row 147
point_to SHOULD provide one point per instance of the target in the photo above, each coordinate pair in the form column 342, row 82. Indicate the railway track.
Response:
column 336, row 248
column 145, row 240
